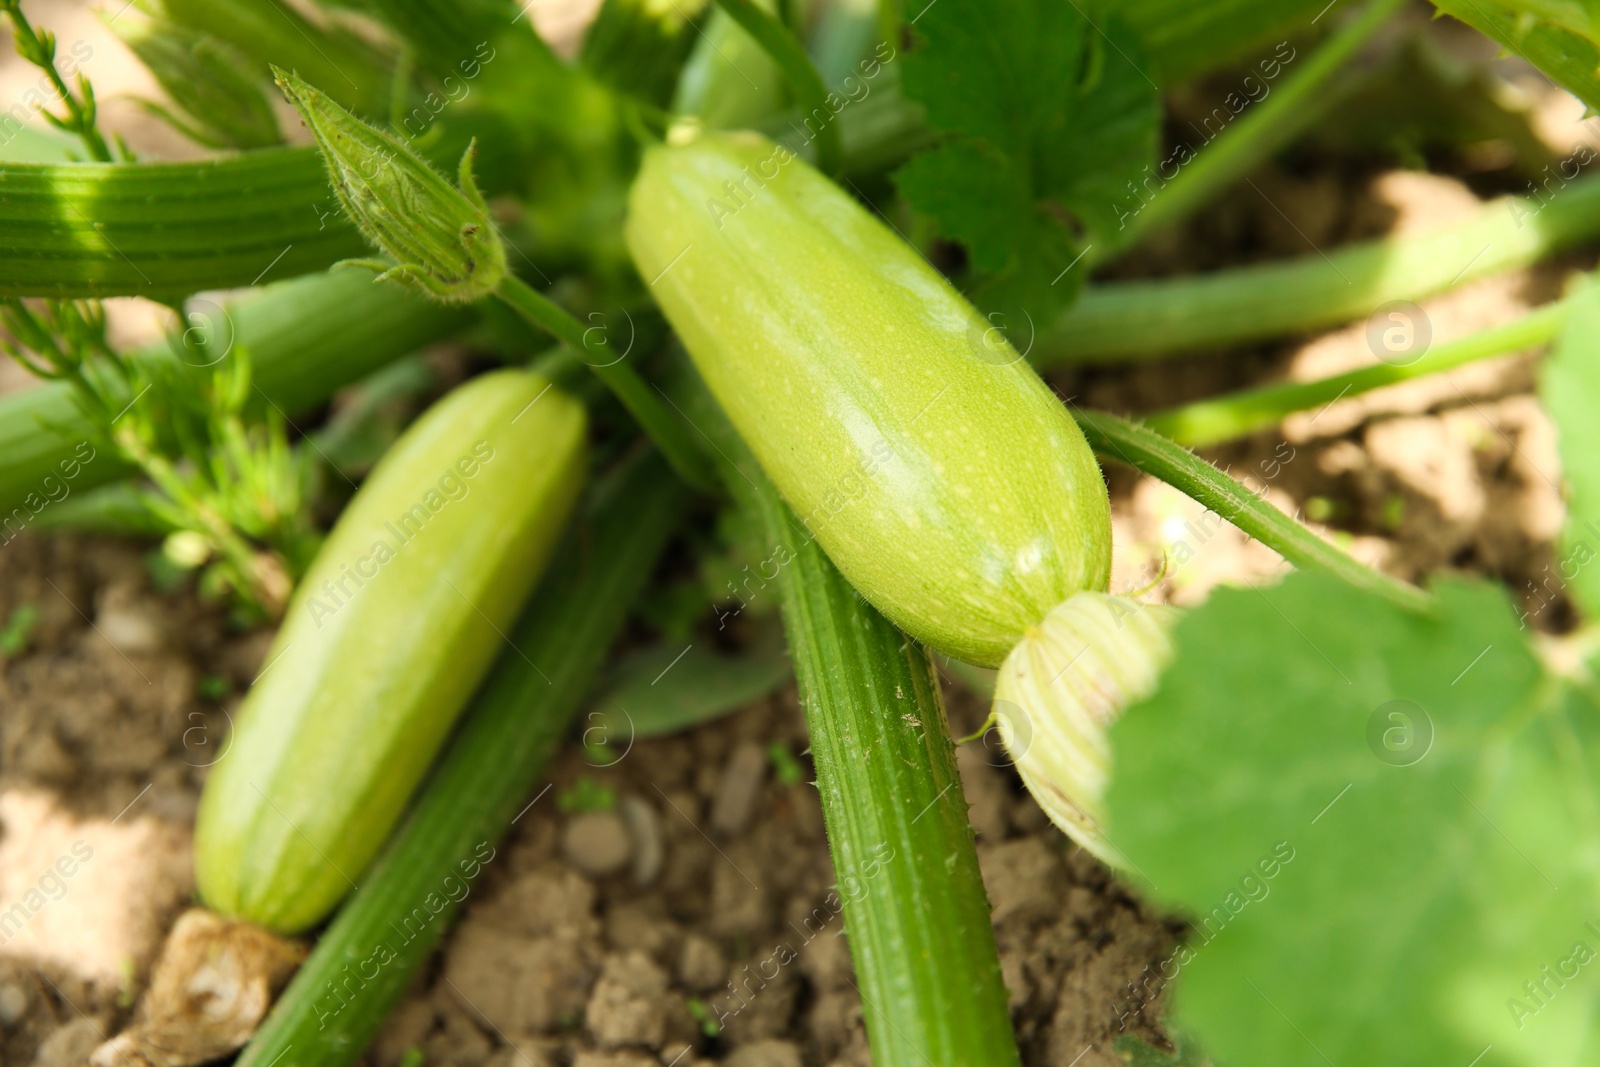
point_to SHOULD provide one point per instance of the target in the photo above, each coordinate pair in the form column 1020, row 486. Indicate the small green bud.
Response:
column 1058, row 693
column 440, row 238
column 186, row 548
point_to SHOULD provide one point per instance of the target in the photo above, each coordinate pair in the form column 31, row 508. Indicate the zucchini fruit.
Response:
column 387, row 636
column 936, row 469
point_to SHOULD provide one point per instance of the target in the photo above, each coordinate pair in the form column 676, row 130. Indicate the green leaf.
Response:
column 670, row 687
column 1136, row 1053
column 1560, row 37
column 18, row 631
column 1383, row 835
column 221, row 99
column 445, row 34
column 586, row 794
column 320, row 50
column 1184, row 38
column 307, row 338
column 1570, row 389
column 982, row 201
column 1047, row 115
column 639, row 47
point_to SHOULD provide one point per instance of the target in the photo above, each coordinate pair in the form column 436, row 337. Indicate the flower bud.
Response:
column 1059, row 691
column 440, row 237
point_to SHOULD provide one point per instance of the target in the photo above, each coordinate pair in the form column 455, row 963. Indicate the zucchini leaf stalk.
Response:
column 903, row 856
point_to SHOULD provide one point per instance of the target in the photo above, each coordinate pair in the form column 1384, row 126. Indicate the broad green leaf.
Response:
column 668, row 688
column 1571, row 392
column 1046, row 116
column 1560, row 37
column 1382, row 825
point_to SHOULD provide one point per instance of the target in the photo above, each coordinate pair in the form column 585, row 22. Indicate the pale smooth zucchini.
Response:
column 383, row 642
column 940, row 474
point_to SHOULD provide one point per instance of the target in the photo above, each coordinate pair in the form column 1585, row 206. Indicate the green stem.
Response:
column 307, row 338
column 482, row 782
column 1144, row 450
column 664, row 429
column 889, row 19
column 167, row 229
column 225, row 540
column 920, row 933
column 1208, row 422
column 790, row 55
column 1143, row 320
column 1298, row 103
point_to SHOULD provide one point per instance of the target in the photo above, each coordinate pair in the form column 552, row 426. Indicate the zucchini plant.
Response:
column 807, row 264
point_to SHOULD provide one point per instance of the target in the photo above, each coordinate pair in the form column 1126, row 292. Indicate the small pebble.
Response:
column 68, row 1046
column 768, row 1053
column 126, row 622
column 644, row 828
column 701, row 965
column 597, row 843
column 739, row 789
column 13, row 1004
